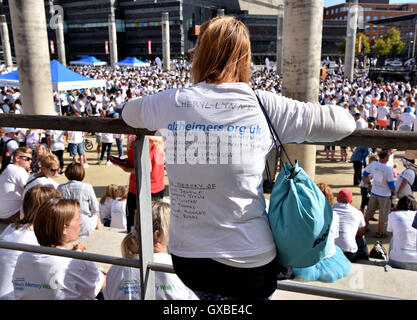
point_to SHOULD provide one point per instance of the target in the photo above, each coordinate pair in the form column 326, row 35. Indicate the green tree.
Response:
column 390, row 43
column 366, row 46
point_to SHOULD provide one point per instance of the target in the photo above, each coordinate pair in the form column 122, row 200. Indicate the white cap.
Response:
column 9, row 130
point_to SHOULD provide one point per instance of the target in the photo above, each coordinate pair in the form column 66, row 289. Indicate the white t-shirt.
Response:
column 403, row 244
column 118, row 215
column 382, row 113
column 75, row 137
column 123, row 283
column 44, row 277
column 11, row 146
column 407, row 119
column 43, row 181
column 57, row 140
column 361, row 124
column 217, row 202
column 381, row 175
column 408, row 175
column 8, row 258
column 12, row 185
column 105, row 209
column 350, row 220
column 107, row 137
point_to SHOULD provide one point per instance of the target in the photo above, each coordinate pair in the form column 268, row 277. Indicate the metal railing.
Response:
column 363, row 138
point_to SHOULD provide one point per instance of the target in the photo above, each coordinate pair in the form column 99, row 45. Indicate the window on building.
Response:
column 336, row 10
column 327, row 12
column 375, row 17
column 368, row 18
column 383, row 17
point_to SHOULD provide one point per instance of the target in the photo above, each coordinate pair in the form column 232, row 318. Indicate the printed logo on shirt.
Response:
column 196, row 143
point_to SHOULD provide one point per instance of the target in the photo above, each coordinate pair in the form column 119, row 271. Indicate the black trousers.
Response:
column 60, row 156
column 209, row 276
column 357, row 175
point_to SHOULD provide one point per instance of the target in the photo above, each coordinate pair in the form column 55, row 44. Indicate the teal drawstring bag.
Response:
column 299, row 214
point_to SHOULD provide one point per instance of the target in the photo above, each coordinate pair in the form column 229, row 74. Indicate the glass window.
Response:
column 332, row 11
column 368, row 18
column 375, row 17
column 336, row 10
column 383, row 17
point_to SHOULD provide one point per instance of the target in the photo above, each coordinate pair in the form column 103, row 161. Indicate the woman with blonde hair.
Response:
column 217, row 139
column 39, row 152
column 169, row 286
column 106, row 202
column 57, row 225
column 21, row 232
column 118, row 209
column 49, row 170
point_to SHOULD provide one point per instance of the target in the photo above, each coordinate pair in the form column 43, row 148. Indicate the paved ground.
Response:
column 367, row 277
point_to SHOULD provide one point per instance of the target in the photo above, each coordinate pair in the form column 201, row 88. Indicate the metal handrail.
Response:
column 364, row 138
column 286, row 285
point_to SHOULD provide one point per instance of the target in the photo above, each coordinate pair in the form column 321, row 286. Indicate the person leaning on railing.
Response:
column 218, row 221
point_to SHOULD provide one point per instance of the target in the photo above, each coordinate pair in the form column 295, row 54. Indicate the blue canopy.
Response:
column 89, row 61
column 132, row 62
column 62, row 79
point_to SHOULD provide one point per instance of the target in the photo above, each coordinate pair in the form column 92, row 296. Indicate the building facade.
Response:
column 138, row 24
column 371, row 10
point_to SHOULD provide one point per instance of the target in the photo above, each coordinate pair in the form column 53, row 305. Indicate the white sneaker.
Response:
column 85, row 165
column 108, row 163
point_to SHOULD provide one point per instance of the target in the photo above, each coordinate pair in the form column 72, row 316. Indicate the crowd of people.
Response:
column 231, row 235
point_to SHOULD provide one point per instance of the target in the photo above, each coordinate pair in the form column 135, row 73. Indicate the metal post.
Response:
column 303, row 23
column 280, row 24
column 32, row 55
column 352, row 25
column 166, row 50
column 143, row 216
column 5, row 41
column 60, row 43
column 415, row 38
column 220, row 12
column 112, row 39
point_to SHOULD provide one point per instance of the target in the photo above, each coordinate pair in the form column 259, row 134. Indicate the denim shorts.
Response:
column 76, row 148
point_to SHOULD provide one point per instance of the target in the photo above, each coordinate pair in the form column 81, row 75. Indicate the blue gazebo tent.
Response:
column 132, row 62
column 88, row 61
column 62, row 79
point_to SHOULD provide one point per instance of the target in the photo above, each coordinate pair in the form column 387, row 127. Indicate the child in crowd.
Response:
column 106, row 202
column 168, row 286
column 118, row 209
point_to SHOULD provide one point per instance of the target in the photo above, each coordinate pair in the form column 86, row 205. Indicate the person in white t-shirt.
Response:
column 106, row 203
column 106, row 144
column 49, row 170
column 76, row 143
column 56, row 144
column 403, row 246
column 382, row 115
column 118, row 209
column 21, row 232
column 382, row 188
column 218, row 225
column 123, row 283
column 404, row 182
column 10, row 146
column 351, row 225
column 39, row 276
column 12, row 184
column 406, row 120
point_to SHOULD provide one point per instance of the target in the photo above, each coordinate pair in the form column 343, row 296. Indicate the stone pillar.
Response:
column 166, row 50
column 303, row 23
column 32, row 56
column 4, row 32
column 280, row 22
column 352, row 24
column 60, row 42
column 112, row 39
